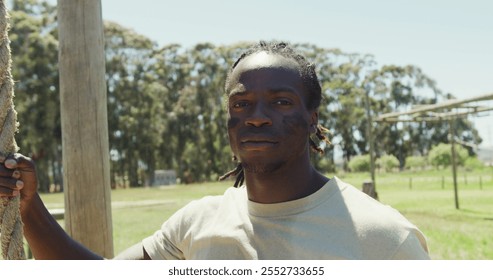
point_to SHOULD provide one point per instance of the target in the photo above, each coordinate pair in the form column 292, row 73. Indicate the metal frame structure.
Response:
column 418, row 113
column 435, row 113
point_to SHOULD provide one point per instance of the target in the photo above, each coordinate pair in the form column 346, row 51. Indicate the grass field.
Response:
column 425, row 198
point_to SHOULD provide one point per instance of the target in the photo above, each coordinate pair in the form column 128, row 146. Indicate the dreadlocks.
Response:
column 238, row 172
column 310, row 82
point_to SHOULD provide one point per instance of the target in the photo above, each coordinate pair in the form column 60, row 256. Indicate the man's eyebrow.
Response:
column 282, row 89
column 276, row 90
column 237, row 92
column 238, row 89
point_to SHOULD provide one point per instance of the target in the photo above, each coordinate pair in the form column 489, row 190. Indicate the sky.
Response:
column 451, row 41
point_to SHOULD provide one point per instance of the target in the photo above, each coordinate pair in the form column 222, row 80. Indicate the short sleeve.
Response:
column 164, row 243
column 414, row 247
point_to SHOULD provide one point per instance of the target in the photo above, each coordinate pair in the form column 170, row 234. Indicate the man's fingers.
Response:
column 10, row 163
column 8, row 168
column 17, row 173
column 19, row 184
column 20, row 162
column 9, row 192
column 11, row 183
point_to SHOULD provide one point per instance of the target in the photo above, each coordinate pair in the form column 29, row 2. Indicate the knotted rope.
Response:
column 10, row 221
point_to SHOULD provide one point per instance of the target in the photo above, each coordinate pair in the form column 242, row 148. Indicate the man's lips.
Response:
column 258, row 140
column 258, row 143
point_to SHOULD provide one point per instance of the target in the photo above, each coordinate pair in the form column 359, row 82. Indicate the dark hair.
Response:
column 310, row 81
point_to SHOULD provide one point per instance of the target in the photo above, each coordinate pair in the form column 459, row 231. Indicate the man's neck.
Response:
column 288, row 183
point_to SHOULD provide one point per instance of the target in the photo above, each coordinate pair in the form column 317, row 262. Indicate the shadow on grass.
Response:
column 476, row 213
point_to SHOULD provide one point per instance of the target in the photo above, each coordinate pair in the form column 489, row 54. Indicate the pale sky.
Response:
column 451, row 41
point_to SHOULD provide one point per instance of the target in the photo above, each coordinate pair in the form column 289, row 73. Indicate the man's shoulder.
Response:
column 213, row 202
column 382, row 229
column 369, row 211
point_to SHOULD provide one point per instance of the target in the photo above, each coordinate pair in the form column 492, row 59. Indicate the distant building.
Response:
column 164, row 177
column 485, row 154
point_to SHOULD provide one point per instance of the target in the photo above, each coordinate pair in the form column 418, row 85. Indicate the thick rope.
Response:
column 10, row 221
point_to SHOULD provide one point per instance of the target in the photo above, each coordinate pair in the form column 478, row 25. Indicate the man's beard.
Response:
column 261, row 167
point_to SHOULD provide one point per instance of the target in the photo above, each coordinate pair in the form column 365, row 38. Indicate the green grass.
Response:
column 464, row 233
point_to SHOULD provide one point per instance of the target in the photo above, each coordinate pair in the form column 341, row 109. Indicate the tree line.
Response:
column 166, row 104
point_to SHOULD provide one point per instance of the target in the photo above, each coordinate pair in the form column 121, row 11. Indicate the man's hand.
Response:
column 47, row 239
column 18, row 177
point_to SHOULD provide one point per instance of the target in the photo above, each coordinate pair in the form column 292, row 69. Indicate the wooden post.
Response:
column 454, row 161
column 85, row 125
column 369, row 189
column 369, row 132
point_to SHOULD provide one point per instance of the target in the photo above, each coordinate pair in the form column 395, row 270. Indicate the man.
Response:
column 284, row 210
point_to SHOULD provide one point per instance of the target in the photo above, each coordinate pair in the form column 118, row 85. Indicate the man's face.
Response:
column 269, row 124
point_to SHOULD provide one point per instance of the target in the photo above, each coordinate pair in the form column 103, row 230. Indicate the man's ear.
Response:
column 314, row 122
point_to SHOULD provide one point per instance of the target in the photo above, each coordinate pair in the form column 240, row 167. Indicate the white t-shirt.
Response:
column 336, row 222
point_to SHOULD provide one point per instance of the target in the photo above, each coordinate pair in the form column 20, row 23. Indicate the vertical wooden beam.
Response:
column 369, row 131
column 454, row 161
column 85, row 124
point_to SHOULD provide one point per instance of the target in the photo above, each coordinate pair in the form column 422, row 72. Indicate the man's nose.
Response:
column 258, row 117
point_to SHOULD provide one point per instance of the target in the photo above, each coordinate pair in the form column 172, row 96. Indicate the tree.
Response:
column 134, row 103
column 397, row 88
column 360, row 163
column 34, row 47
column 474, row 163
column 388, row 162
column 441, row 155
column 415, row 162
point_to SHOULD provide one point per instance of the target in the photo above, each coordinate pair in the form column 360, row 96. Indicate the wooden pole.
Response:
column 369, row 132
column 454, row 162
column 85, row 125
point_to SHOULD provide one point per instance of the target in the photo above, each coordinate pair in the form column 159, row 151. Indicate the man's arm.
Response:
column 46, row 238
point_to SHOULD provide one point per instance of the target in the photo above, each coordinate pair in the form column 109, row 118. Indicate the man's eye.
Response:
column 240, row 104
column 282, row 102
